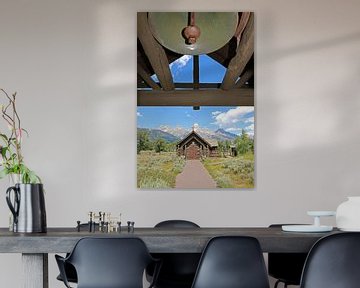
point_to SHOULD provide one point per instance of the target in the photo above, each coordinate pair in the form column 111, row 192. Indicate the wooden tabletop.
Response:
column 158, row 240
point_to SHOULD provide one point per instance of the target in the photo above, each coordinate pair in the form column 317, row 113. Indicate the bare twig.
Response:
column 14, row 123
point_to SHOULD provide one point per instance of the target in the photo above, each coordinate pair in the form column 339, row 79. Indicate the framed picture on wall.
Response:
column 195, row 100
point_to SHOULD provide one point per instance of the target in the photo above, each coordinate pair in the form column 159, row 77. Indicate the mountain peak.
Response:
column 225, row 134
column 220, row 130
column 173, row 134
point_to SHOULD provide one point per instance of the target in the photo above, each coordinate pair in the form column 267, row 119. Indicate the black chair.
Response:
column 286, row 267
column 178, row 269
column 176, row 224
column 333, row 262
column 69, row 269
column 108, row 263
column 232, row 262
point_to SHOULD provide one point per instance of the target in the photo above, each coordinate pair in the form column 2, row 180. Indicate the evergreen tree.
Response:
column 143, row 142
column 244, row 143
column 160, row 145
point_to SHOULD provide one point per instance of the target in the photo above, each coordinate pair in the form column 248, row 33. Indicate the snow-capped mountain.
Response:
column 180, row 132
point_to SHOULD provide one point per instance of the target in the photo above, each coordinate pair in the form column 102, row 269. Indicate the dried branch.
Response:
column 11, row 156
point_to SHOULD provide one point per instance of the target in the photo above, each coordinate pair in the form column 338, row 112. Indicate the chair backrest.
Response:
column 176, row 224
column 333, row 262
column 232, row 262
column 286, row 267
column 110, row 262
column 178, row 269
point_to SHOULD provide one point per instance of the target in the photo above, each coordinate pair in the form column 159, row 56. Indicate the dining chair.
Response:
column 285, row 267
column 333, row 262
column 178, row 269
column 69, row 269
column 232, row 262
column 108, row 263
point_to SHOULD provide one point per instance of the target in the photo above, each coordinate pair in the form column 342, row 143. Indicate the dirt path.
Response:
column 194, row 176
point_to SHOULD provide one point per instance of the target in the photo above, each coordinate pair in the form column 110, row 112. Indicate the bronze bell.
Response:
column 193, row 33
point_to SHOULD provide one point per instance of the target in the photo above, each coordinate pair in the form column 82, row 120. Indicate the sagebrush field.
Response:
column 159, row 170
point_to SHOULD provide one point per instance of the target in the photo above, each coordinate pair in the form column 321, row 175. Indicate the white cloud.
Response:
column 250, row 129
column 181, row 62
column 234, row 130
column 232, row 116
column 216, row 113
column 250, row 120
column 238, row 131
column 155, row 78
column 139, row 114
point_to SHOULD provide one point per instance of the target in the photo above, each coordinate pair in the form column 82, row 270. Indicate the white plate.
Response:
column 321, row 213
column 306, row 228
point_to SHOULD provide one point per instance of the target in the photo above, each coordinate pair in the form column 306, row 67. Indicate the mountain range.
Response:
column 174, row 134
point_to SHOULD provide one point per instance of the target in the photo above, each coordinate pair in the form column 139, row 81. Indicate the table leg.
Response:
column 35, row 270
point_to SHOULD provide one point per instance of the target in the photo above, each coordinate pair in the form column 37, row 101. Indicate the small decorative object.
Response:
column 348, row 214
column 131, row 226
column 105, row 222
column 78, row 225
column 316, row 227
column 25, row 197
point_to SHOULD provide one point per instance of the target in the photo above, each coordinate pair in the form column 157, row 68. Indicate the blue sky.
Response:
column 231, row 119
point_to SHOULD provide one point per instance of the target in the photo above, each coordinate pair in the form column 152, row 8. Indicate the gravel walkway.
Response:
column 194, row 176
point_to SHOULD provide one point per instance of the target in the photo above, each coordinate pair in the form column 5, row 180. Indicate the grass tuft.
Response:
column 233, row 172
column 157, row 171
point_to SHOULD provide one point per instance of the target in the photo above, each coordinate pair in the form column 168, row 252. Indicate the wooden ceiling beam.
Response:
column 180, row 85
column 196, row 72
column 215, row 97
column 184, row 85
column 155, row 52
column 244, row 78
column 242, row 24
column 243, row 54
column 147, row 78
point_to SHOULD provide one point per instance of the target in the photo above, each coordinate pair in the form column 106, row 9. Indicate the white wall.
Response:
column 73, row 64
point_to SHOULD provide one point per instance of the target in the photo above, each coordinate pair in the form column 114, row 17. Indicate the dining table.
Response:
column 35, row 247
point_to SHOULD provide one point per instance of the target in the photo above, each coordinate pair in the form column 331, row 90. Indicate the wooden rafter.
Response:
column 242, row 24
column 243, row 54
column 196, row 73
column 146, row 77
column 154, row 52
column 244, row 78
column 214, row 97
column 225, row 53
column 184, row 85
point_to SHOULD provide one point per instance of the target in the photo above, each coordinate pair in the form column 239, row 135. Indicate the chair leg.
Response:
column 279, row 281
